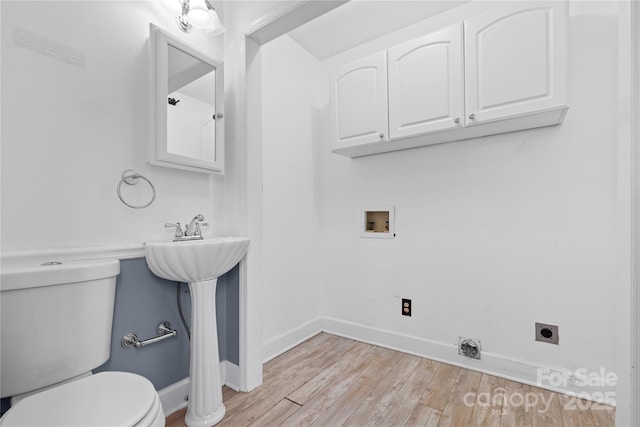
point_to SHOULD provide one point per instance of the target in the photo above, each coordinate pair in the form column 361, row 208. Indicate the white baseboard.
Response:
column 502, row 366
column 284, row 342
column 230, row 374
column 173, row 396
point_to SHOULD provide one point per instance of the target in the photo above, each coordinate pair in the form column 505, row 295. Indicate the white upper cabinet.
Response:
column 359, row 102
column 500, row 71
column 426, row 84
column 515, row 59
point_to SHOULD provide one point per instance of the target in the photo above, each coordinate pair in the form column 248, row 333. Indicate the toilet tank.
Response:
column 55, row 321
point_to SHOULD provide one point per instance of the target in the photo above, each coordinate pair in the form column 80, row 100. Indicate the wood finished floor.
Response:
column 333, row 381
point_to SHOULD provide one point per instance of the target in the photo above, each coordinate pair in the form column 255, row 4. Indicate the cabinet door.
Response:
column 515, row 59
column 359, row 102
column 426, row 84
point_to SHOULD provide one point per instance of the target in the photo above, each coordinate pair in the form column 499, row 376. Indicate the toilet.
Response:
column 55, row 325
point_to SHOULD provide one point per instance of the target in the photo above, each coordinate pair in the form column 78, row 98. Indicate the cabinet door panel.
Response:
column 359, row 102
column 515, row 61
column 425, row 84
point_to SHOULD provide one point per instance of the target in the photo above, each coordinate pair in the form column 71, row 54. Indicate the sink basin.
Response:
column 200, row 263
column 195, row 260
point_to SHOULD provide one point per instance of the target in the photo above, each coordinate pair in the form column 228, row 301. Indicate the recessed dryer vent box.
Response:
column 378, row 222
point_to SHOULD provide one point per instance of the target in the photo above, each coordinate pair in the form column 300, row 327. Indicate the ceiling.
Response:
column 359, row 21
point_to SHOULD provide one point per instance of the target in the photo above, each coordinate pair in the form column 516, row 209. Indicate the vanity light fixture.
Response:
column 197, row 14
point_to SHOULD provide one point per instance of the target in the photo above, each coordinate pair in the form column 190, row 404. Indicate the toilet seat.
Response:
column 104, row 399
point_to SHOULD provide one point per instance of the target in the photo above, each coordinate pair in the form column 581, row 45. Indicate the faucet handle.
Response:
column 197, row 231
column 179, row 232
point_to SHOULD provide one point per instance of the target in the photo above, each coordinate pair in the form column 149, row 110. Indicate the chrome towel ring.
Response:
column 130, row 177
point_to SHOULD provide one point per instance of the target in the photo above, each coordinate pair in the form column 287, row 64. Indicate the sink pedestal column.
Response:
column 205, row 406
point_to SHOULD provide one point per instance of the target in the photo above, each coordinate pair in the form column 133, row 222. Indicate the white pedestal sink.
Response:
column 199, row 263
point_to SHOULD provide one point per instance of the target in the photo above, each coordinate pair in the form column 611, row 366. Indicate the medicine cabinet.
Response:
column 187, row 100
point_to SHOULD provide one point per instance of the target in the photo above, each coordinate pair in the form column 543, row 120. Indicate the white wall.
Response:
column 493, row 234
column 291, row 85
column 69, row 133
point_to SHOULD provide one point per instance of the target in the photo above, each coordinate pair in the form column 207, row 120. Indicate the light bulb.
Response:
column 198, row 14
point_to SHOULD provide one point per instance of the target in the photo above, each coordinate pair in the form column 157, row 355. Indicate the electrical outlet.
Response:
column 547, row 333
column 406, row 307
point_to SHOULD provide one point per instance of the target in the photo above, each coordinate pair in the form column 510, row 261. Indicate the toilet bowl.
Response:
column 55, row 323
column 100, row 400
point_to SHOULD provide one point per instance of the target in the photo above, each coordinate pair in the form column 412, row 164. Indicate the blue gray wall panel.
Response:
column 143, row 300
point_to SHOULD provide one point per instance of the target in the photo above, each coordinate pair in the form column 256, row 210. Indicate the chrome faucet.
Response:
column 191, row 231
column 194, row 226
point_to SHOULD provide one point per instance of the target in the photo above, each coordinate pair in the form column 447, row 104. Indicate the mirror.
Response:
column 187, row 129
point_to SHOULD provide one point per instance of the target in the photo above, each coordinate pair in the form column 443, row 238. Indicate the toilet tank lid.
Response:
column 22, row 275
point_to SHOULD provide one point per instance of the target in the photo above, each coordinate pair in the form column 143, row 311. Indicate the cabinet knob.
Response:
column 381, row 135
column 456, row 120
column 472, row 116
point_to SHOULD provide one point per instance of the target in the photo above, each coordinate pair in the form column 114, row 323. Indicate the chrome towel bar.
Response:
column 131, row 340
